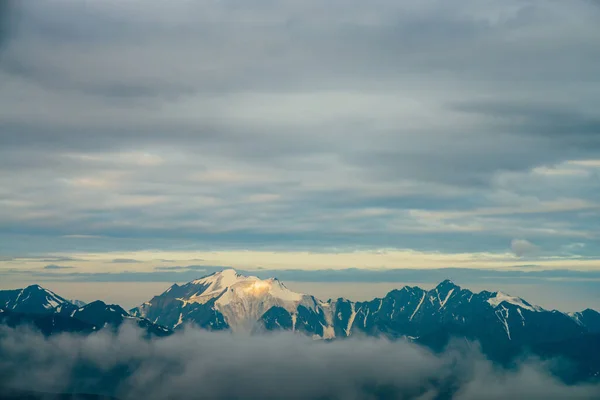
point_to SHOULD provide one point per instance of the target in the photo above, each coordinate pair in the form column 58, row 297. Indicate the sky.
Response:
column 283, row 135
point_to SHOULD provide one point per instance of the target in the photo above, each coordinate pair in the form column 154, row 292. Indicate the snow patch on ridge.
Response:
column 328, row 332
column 575, row 316
column 418, row 306
column 500, row 298
column 503, row 317
column 351, row 319
column 443, row 303
column 179, row 321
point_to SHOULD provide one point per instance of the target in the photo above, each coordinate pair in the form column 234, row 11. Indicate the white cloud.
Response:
column 522, row 247
column 586, row 163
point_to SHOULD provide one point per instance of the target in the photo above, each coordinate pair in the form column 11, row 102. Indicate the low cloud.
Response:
column 58, row 259
column 125, row 261
column 225, row 366
column 464, row 276
column 522, row 247
column 54, row 267
column 195, row 268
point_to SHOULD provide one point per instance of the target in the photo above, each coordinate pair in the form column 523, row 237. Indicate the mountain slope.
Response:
column 34, row 299
column 50, row 313
column 589, row 319
column 579, row 357
column 104, row 315
column 488, row 317
column 47, row 324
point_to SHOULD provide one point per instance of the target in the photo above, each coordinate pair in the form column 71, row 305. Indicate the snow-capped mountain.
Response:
column 223, row 300
column 34, row 299
column 228, row 300
column 52, row 313
column 504, row 325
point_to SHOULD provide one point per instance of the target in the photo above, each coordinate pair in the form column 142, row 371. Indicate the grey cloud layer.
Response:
column 220, row 366
column 527, row 274
column 306, row 124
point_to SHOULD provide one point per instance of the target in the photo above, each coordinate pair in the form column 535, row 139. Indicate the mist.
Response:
column 195, row 363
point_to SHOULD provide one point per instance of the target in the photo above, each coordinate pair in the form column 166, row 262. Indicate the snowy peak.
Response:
column 259, row 288
column 588, row 318
column 52, row 313
column 442, row 293
column 33, row 299
column 228, row 284
column 446, row 286
column 499, row 298
column 220, row 280
column 222, row 300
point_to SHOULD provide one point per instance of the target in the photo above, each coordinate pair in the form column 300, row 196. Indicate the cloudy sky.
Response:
column 137, row 135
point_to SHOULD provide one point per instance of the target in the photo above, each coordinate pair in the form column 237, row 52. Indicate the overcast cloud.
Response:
column 468, row 126
column 223, row 366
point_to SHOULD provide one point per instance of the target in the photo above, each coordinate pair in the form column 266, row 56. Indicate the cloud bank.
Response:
column 56, row 267
column 223, row 366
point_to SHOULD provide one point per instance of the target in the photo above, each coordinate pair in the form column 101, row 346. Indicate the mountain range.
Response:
column 504, row 325
column 228, row 300
column 51, row 313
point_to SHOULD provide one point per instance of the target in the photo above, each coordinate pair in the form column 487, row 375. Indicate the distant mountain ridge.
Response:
column 504, row 325
column 34, row 300
column 51, row 313
column 228, row 300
